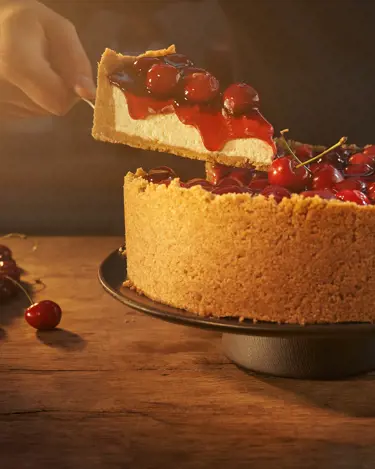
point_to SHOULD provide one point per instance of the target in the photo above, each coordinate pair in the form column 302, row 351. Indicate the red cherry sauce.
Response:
column 214, row 124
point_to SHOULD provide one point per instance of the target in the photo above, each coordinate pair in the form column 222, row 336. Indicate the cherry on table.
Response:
column 353, row 196
column 240, row 98
column 200, row 87
column 162, row 79
column 44, row 315
column 325, row 176
column 278, row 193
column 5, row 253
column 284, row 172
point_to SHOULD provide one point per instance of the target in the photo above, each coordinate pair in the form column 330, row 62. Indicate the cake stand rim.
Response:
column 116, row 263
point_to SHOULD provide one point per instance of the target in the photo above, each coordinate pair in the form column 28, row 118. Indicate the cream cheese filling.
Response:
column 167, row 129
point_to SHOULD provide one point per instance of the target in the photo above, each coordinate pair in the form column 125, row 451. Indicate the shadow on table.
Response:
column 62, row 339
column 352, row 397
column 15, row 307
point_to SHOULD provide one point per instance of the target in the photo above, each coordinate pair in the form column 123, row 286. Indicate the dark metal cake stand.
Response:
column 331, row 351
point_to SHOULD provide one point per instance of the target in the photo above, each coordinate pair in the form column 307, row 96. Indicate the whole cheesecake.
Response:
column 298, row 260
column 278, row 231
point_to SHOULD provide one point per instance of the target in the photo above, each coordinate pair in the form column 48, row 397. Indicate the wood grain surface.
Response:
column 114, row 389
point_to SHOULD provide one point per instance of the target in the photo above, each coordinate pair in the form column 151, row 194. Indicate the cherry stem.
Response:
column 290, row 149
column 338, row 144
column 22, row 236
column 21, row 288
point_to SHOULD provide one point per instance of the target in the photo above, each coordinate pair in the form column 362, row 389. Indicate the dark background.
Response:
column 312, row 62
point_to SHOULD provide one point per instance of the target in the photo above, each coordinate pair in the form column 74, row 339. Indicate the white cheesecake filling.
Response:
column 167, row 129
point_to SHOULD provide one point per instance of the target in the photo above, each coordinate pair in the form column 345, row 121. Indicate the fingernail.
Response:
column 85, row 87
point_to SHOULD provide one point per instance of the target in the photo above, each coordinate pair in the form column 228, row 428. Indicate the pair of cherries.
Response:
column 175, row 74
column 44, row 315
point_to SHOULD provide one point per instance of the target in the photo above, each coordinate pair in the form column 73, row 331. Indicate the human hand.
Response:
column 43, row 66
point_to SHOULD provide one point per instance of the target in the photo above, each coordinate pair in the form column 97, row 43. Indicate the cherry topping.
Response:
column 162, row 79
column 45, row 315
column 304, row 152
column 257, row 185
column 326, row 176
column 283, row 172
column 161, row 174
column 323, row 194
column 361, row 158
column 229, row 182
column 337, row 158
column 5, row 253
column 231, row 190
column 358, row 170
column 353, row 196
column 143, row 64
column 10, row 269
column 177, row 60
column 218, row 172
column 240, row 98
column 370, row 150
column 200, row 87
column 371, row 192
column 242, row 175
column 199, row 182
column 277, row 192
column 351, row 183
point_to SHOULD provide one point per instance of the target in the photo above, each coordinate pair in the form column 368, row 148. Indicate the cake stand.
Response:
column 324, row 351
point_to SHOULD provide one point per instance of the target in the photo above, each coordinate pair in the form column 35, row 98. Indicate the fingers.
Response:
column 69, row 59
column 23, row 63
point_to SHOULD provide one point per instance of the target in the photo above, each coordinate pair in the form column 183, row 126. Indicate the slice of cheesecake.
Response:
column 161, row 101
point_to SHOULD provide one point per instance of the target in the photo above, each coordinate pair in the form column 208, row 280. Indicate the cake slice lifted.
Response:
column 161, row 101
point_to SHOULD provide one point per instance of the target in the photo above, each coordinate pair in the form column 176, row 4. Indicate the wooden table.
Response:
column 114, row 389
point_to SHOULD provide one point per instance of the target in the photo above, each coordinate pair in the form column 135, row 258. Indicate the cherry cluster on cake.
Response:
column 343, row 173
column 171, row 83
column 44, row 315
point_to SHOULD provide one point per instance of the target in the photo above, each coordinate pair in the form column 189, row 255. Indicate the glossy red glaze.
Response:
column 362, row 158
column 162, row 79
column 229, row 182
column 371, row 191
column 353, row 196
column 199, row 182
column 217, row 172
column 370, row 150
column 257, row 185
column 277, row 192
column 323, row 194
column 143, row 64
column 240, row 98
column 325, row 177
column 351, row 184
column 358, row 170
column 200, row 88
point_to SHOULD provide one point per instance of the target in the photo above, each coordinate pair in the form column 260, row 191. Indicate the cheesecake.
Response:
column 161, row 101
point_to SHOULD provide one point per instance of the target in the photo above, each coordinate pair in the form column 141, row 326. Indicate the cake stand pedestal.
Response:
column 329, row 351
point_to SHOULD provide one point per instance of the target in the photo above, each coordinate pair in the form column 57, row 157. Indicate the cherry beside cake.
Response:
column 278, row 231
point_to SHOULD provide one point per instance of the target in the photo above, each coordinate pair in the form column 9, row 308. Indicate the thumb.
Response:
column 69, row 59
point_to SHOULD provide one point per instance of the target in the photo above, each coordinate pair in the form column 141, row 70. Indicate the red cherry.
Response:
column 162, row 79
column 353, row 196
column 217, row 172
column 283, row 172
column 370, row 150
column 229, row 182
column 143, row 64
column 157, row 175
column 325, row 177
column 359, row 170
column 231, row 190
column 257, row 185
column 323, row 194
column 242, row 175
column 277, row 192
column 371, row 191
column 200, row 87
column 45, row 315
column 240, row 98
column 178, row 60
column 10, row 269
column 362, row 158
column 199, row 182
column 5, row 253
column 304, row 152
column 351, row 183
column 7, row 289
